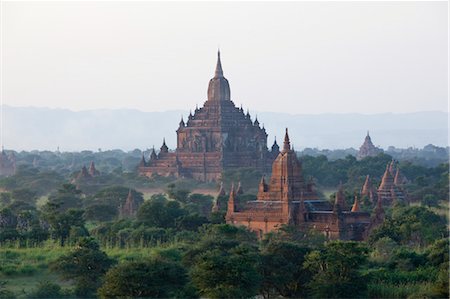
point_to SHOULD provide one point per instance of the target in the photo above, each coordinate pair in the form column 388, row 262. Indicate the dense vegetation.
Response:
column 61, row 238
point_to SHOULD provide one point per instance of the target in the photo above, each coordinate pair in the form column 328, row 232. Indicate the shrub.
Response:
column 46, row 289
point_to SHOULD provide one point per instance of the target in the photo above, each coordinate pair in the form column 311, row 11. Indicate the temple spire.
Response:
column 287, row 144
column 219, row 71
column 355, row 207
column 339, row 203
column 231, row 200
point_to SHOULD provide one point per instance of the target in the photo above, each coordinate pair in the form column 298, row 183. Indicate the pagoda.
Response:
column 286, row 199
column 216, row 137
column 391, row 187
column 368, row 149
column 7, row 163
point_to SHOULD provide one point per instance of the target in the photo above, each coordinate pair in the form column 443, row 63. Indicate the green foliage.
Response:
column 26, row 177
column 47, row 289
column 5, row 198
column 336, row 270
column 227, row 272
column 86, row 265
column 67, row 197
column 190, row 222
column 282, row 270
column 153, row 278
column 430, row 200
column 5, row 293
column 100, row 212
column 177, row 193
column 217, row 217
column 249, row 178
column 412, row 226
column 24, row 195
column 290, row 233
column 199, row 204
column 398, row 291
column 160, row 212
column 115, row 196
column 62, row 222
column 383, row 250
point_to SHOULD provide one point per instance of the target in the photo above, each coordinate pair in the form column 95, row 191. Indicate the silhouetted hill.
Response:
column 28, row 128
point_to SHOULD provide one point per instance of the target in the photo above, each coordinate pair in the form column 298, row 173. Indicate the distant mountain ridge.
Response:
column 29, row 128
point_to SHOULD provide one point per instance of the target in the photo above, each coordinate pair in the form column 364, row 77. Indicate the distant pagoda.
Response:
column 129, row 208
column 218, row 136
column 368, row 149
column 7, row 163
column 391, row 187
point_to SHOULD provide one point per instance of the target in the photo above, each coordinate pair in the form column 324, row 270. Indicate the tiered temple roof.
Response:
column 129, row 208
column 217, row 137
column 86, row 174
column 286, row 200
column 368, row 149
column 368, row 190
column 92, row 170
column 391, row 189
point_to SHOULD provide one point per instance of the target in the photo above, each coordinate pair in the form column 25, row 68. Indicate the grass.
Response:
column 410, row 290
column 23, row 268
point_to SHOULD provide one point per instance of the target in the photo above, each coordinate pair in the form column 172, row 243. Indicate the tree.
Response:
column 24, row 195
column 46, row 289
column 411, row 226
column 336, row 270
column 159, row 212
column 5, row 198
column 100, row 212
column 62, row 222
column 430, row 200
column 176, row 193
column 86, row 265
column 116, row 195
column 154, row 278
column 66, row 197
column 282, row 270
column 199, row 203
column 190, row 222
column 227, row 273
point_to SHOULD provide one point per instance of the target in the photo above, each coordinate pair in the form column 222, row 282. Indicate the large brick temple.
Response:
column 287, row 200
column 218, row 136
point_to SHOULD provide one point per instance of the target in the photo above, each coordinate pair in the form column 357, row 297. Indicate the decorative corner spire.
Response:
column 355, row 207
column 256, row 122
column 263, row 180
column 142, row 162
column 153, row 155
column 239, row 189
column 287, row 144
column 164, row 148
column 219, row 71
column 231, row 203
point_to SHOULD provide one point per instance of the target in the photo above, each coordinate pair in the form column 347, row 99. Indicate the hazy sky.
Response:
column 296, row 57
